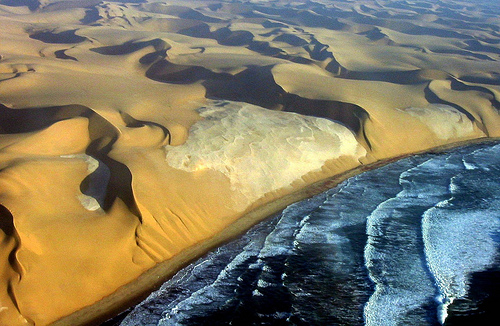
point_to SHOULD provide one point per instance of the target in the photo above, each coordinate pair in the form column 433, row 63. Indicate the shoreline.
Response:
column 134, row 292
column 264, row 104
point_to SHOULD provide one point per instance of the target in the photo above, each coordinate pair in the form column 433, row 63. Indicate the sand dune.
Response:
column 136, row 135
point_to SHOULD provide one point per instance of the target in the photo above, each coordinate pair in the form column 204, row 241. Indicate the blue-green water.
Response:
column 415, row 242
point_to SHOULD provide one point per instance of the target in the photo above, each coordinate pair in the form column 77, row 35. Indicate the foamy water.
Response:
column 401, row 245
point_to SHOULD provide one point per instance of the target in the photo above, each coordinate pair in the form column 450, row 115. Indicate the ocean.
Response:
column 415, row 242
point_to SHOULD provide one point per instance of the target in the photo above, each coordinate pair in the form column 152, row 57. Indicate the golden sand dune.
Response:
column 136, row 135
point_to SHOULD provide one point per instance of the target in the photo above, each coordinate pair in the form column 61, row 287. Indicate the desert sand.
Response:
column 137, row 135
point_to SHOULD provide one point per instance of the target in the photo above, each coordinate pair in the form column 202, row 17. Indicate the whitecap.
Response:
column 457, row 244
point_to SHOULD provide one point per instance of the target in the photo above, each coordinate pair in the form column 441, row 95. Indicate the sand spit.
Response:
column 136, row 135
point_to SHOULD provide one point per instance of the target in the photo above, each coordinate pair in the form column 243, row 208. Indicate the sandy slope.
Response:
column 135, row 135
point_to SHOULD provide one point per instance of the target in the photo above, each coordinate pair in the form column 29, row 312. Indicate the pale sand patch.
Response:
column 260, row 151
column 444, row 121
column 153, row 278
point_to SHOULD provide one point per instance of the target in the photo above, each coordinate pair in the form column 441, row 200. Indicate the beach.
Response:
column 137, row 135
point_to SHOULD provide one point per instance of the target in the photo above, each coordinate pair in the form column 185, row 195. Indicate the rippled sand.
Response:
column 135, row 135
column 410, row 253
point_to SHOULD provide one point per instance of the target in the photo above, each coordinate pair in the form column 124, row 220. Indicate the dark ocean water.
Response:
column 413, row 243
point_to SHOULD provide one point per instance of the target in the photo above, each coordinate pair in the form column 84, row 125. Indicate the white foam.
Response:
column 276, row 244
column 319, row 233
column 264, row 284
column 211, row 292
column 468, row 165
column 444, row 121
column 392, row 254
column 387, row 307
column 260, row 150
column 443, row 307
column 267, row 269
column 457, row 244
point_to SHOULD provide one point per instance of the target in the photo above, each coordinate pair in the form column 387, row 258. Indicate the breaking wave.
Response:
column 401, row 245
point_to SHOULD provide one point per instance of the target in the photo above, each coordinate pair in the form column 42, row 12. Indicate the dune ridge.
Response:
column 136, row 135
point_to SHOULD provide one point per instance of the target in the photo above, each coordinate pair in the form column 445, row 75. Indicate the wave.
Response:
column 397, row 245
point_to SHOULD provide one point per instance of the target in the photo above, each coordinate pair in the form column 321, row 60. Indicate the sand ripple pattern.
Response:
column 406, row 254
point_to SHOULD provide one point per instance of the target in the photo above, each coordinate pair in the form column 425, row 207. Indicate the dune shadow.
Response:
column 52, row 37
column 256, row 85
column 13, row 121
column 61, row 54
column 31, row 4
column 102, row 134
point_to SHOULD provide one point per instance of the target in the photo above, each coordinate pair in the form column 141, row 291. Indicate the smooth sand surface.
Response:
column 137, row 135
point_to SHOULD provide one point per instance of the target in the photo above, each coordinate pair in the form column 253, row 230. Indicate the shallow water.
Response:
column 415, row 242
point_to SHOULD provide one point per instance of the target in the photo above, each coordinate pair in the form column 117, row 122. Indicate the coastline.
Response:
column 103, row 196
column 134, row 292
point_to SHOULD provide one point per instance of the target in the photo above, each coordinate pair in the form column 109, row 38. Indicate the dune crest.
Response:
column 135, row 135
